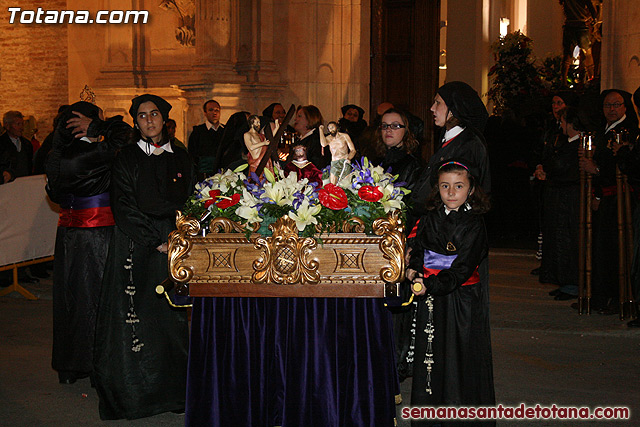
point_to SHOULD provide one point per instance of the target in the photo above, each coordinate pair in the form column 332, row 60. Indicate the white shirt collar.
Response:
column 614, row 124
column 17, row 142
column 150, row 149
column 212, row 126
column 452, row 133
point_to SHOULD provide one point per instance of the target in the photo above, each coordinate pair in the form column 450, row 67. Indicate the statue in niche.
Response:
column 186, row 30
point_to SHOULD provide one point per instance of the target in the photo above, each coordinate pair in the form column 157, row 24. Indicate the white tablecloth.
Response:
column 28, row 220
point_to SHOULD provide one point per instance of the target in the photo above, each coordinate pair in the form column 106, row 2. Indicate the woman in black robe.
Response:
column 141, row 341
column 78, row 176
column 459, row 111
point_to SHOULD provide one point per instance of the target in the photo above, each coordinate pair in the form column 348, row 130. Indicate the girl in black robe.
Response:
column 78, row 176
column 141, row 341
column 452, row 352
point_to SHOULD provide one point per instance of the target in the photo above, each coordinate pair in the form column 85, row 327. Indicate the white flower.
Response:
column 305, row 215
column 247, row 208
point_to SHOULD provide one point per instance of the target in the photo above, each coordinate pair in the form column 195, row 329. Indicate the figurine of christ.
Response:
column 303, row 167
column 257, row 144
column 342, row 151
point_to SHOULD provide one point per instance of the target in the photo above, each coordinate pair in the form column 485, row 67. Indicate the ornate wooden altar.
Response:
column 224, row 263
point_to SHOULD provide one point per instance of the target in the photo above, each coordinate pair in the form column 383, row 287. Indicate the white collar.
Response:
column 466, row 205
column 308, row 133
column 614, row 124
column 16, row 141
column 85, row 139
column 211, row 125
column 300, row 163
column 150, row 149
column 452, row 133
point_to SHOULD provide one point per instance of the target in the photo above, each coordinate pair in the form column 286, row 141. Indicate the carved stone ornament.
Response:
column 285, row 256
column 185, row 9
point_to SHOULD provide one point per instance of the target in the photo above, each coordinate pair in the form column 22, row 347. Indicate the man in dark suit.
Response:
column 205, row 139
column 15, row 150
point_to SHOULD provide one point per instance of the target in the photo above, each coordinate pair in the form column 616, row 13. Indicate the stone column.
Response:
column 214, row 42
column 257, row 40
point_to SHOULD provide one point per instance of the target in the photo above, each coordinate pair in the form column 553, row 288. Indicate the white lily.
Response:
column 305, row 215
column 247, row 208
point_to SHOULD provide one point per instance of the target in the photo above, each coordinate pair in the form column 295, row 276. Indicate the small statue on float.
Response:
column 303, row 167
column 342, row 151
column 256, row 144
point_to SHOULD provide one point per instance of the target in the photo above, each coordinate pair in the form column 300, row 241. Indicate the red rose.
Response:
column 370, row 193
column 227, row 203
column 333, row 197
column 213, row 194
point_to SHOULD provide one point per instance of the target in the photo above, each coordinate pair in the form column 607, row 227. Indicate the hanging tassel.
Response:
column 412, row 343
column 429, row 330
column 130, row 290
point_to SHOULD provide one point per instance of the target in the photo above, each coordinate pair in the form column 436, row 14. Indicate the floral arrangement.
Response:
column 514, row 77
column 368, row 193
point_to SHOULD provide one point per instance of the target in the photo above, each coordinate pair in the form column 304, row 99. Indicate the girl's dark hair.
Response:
column 478, row 200
column 409, row 142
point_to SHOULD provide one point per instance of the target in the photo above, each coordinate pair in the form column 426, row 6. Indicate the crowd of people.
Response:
column 118, row 188
column 558, row 163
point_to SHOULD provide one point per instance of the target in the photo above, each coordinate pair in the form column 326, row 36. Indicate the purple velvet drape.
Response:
column 290, row 362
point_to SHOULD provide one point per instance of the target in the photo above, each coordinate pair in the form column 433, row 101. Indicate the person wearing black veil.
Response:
column 78, row 171
column 459, row 111
column 141, row 341
column 352, row 122
column 231, row 150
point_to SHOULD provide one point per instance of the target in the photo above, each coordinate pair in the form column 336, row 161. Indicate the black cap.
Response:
column 162, row 105
column 350, row 106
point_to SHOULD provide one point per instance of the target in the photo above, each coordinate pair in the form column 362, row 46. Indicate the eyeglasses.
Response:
column 615, row 105
column 392, row 126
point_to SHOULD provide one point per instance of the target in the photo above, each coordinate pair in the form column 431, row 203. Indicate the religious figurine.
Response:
column 257, row 144
column 303, row 167
column 342, row 151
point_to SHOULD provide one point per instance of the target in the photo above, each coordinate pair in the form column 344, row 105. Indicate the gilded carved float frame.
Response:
column 225, row 264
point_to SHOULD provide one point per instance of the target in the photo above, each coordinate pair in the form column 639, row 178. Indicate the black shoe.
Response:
column 67, row 377
column 535, row 271
column 609, row 310
column 563, row 296
column 555, row 292
column 635, row 323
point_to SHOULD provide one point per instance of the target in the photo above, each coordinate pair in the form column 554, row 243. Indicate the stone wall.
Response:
column 621, row 45
column 33, row 71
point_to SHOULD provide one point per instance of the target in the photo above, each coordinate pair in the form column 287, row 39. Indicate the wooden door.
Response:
column 405, row 37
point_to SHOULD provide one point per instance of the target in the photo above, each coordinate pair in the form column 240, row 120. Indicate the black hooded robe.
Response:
column 141, row 368
column 78, row 174
column 462, row 372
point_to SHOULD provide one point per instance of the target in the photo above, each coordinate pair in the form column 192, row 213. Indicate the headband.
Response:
column 453, row 163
